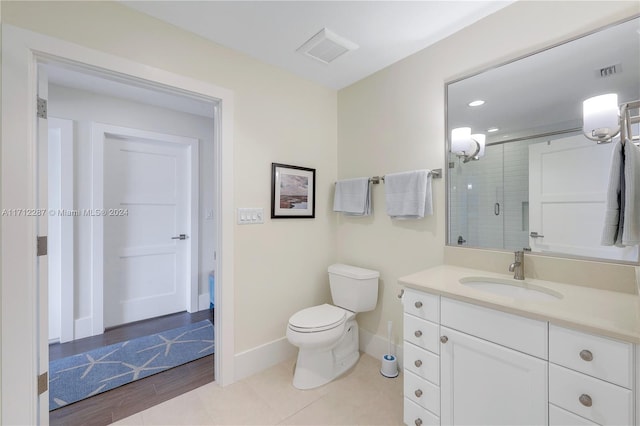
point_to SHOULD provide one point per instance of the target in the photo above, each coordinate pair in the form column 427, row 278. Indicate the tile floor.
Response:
column 362, row 396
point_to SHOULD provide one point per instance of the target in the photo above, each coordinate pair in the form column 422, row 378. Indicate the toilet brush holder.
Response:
column 389, row 366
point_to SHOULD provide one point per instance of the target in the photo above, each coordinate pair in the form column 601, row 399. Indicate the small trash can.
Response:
column 212, row 280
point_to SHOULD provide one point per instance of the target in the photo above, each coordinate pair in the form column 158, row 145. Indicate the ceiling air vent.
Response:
column 609, row 70
column 326, row 46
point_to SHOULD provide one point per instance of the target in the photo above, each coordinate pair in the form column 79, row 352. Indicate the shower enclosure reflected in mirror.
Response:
column 540, row 184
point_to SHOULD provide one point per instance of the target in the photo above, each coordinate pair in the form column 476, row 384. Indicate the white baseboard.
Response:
column 378, row 346
column 260, row 358
column 82, row 328
column 203, row 302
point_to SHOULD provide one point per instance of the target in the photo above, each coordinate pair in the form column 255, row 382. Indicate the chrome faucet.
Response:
column 517, row 267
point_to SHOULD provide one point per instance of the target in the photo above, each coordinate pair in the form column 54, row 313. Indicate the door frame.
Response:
column 63, row 226
column 21, row 333
column 99, row 132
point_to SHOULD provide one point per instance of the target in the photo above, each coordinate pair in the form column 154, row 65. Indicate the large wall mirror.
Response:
column 539, row 183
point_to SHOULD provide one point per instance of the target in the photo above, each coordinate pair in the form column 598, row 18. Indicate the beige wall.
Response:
column 280, row 266
column 394, row 121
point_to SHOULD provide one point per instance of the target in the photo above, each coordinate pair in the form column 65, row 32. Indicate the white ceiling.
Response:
column 544, row 92
column 271, row 31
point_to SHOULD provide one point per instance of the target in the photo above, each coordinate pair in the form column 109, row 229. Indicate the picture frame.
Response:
column 293, row 192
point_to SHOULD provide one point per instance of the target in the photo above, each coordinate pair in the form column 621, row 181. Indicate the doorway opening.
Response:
column 132, row 235
column 24, row 278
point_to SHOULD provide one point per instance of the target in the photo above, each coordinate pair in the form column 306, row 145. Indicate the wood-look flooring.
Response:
column 121, row 402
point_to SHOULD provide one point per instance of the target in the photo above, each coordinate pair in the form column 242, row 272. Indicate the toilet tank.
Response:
column 353, row 288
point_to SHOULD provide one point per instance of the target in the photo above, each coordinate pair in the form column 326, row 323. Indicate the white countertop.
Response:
column 607, row 313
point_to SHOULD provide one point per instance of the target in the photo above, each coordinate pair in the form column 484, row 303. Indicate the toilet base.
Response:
column 317, row 367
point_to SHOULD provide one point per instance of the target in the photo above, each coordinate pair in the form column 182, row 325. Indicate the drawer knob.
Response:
column 418, row 333
column 585, row 400
column 418, row 393
column 418, row 363
column 444, row 339
column 418, row 422
column 586, row 355
column 418, row 304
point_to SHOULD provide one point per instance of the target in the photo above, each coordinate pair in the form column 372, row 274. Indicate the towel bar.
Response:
column 435, row 173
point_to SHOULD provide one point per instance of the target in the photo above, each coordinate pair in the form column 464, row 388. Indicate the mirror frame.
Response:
column 447, row 174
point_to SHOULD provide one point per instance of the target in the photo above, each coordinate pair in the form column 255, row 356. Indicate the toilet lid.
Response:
column 318, row 318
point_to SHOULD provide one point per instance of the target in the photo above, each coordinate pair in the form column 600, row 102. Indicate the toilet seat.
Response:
column 317, row 318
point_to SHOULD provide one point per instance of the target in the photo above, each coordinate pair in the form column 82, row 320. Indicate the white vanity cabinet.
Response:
column 421, row 358
column 589, row 376
column 466, row 364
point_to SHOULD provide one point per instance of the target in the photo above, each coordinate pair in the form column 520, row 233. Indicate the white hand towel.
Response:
column 631, row 211
column 353, row 197
column 611, row 234
column 622, row 214
column 408, row 194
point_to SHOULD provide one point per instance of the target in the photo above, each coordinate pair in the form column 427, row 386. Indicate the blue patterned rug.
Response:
column 83, row 375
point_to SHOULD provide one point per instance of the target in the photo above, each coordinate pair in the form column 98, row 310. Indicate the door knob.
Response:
column 444, row 339
column 418, row 333
column 417, row 363
column 180, row 237
column 418, row 304
column 418, row 393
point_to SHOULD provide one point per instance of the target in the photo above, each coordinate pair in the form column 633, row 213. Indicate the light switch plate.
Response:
column 248, row 216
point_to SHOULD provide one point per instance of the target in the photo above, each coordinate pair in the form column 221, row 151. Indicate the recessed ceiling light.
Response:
column 476, row 103
column 493, row 129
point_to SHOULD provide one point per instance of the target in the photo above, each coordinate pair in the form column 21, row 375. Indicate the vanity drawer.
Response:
column 422, row 362
column 522, row 334
column 421, row 304
column 609, row 404
column 421, row 333
column 606, row 359
column 560, row 417
column 415, row 415
column 422, row 392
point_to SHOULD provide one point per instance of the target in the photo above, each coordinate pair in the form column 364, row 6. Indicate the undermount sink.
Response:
column 520, row 290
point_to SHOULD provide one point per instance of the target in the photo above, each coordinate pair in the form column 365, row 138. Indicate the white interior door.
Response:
column 568, row 180
column 147, row 206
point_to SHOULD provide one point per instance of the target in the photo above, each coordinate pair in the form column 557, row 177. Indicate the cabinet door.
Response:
column 487, row 384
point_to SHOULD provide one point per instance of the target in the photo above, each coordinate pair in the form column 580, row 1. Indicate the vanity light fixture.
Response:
column 601, row 118
column 476, row 103
column 467, row 146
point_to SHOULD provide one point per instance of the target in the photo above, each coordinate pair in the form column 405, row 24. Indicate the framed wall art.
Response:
column 293, row 191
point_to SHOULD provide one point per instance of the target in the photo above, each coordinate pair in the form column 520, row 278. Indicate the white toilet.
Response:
column 327, row 335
